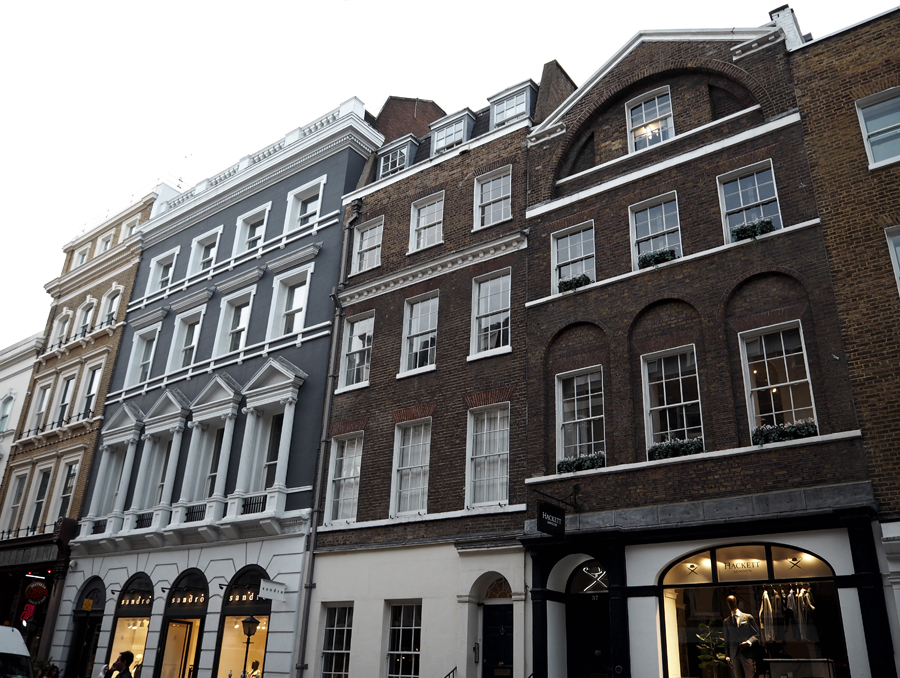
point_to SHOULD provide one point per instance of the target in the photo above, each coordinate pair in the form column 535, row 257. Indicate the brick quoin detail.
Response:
column 347, row 425
column 415, row 412
column 497, row 395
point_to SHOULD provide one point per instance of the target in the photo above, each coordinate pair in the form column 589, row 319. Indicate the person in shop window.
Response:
column 255, row 673
column 741, row 639
column 121, row 665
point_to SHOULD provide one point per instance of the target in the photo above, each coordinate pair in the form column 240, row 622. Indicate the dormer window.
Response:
column 393, row 162
column 650, row 119
column 448, row 137
column 451, row 131
column 509, row 109
column 397, row 155
column 513, row 104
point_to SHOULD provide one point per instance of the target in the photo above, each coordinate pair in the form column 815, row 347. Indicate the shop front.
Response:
column 132, row 621
column 87, row 618
column 182, row 627
column 244, row 626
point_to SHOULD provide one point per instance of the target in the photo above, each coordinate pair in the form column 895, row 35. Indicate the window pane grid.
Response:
column 750, row 198
column 429, row 219
column 345, row 488
column 190, row 343
column 882, row 121
column 490, row 456
column 146, row 355
column 674, row 398
column 421, row 334
column 309, row 210
column 575, row 255
column 240, row 314
column 293, row 305
column 448, row 137
column 509, row 108
column 779, row 384
column 404, row 641
column 393, row 162
column 495, row 200
column 412, row 467
column 582, row 415
column 359, row 351
column 336, row 648
column 651, row 121
column 657, row 228
column 368, row 253
column 492, row 315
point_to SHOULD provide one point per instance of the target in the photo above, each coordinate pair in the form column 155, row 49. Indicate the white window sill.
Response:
column 503, row 350
column 484, row 228
column 427, row 247
column 639, row 465
column 418, row 370
column 884, row 163
column 415, row 517
column 352, row 387
column 371, row 268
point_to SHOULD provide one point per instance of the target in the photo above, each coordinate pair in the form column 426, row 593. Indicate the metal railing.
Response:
column 194, row 513
column 26, row 531
column 57, row 423
column 99, row 527
column 452, row 673
column 82, row 333
column 255, row 504
column 143, row 520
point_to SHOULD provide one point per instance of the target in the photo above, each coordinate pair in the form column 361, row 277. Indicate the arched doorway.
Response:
column 132, row 621
column 242, row 602
column 87, row 617
column 186, row 602
column 789, row 595
column 497, row 630
column 587, row 621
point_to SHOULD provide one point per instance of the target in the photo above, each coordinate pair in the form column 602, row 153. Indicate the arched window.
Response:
column 242, row 602
column 781, row 599
column 132, row 620
column 186, row 602
column 87, row 617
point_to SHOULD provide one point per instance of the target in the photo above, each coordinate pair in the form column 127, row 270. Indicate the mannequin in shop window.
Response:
column 255, row 673
column 741, row 639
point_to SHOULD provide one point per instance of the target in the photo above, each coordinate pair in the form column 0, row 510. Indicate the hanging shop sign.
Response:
column 272, row 590
column 551, row 519
column 36, row 592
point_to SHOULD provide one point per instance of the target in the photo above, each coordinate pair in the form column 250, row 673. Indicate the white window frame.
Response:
column 70, row 395
column 198, row 244
column 59, row 486
column 395, row 475
column 114, row 293
column 277, row 309
column 414, row 218
column 560, row 437
column 35, row 484
column 740, row 173
column 137, row 350
column 295, row 199
column 645, row 205
column 479, row 206
column 36, row 405
column 514, row 98
column 105, row 244
column 391, row 158
column 82, row 256
column 84, row 316
column 372, row 224
column 892, row 233
column 861, row 105
column 15, row 476
column 470, row 450
column 242, row 228
column 157, row 264
column 474, row 353
column 336, row 442
column 6, row 405
column 176, row 349
column 129, row 227
column 638, row 100
column 85, row 384
column 342, row 379
column 404, row 352
column 451, row 131
column 223, row 331
column 388, row 651
column 744, row 337
column 645, row 387
column 562, row 233
column 62, row 329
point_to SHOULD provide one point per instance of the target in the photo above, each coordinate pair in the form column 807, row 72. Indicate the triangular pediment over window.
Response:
column 220, row 396
column 123, row 424
column 278, row 378
column 171, row 408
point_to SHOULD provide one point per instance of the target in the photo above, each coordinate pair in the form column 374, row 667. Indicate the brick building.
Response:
column 690, row 402
column 61, row 416
column 848, row 88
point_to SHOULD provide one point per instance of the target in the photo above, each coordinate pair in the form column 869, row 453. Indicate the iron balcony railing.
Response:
column 99, row 526
column 57, row 423
column 82, row 333
column 27, row 531
column 255, row 504
column 194, row 513
column 143, row 520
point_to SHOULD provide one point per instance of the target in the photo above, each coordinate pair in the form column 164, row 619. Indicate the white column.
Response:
column 100, row 484
column 126, row 475
column 249, row 456
column 169, row 482
column 140, row 489
column 190, row 469
column 284, row 445
column 224, row 454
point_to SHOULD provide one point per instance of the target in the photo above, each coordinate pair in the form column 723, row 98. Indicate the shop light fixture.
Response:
column 35, row 576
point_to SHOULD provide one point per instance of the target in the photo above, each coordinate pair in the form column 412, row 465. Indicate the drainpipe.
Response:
column 351, row 214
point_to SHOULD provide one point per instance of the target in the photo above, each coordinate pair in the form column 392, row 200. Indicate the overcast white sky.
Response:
column 102, row 100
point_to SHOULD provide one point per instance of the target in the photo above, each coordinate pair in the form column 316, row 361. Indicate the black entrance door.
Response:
column 587, row 635
column 497, row 656
column 85, row 638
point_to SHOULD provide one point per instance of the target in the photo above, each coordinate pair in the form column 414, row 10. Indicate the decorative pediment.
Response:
column 168, row 411
column 240, row 280
column 149, row 318
column 123, row 424
column 294, row 258
column 220, row 396
column 277, row 379
column 194, row 299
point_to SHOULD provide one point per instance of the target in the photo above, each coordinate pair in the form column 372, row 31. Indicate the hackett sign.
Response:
column 551, row 519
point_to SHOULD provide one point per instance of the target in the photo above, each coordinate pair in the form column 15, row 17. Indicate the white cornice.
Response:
column 193, row 299
column 436, row 267
column 295, row 258
column 24, row 351
column 123, row 215
column 148, row 319
column 735, row 34
column 96, row 269
column 240, row 280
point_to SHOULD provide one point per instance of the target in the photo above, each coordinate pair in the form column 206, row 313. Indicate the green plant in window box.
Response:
column 588, row 461
column 656, row 258
column 753, row 229
column 669, row 449
column 574, row 282
column 767, row 433
column 712, row 650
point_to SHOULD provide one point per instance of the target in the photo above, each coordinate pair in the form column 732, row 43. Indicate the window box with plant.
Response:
column 669, row 449
column 588, row 461
column 752, row 229
column 656, row 258
column 570, row 284
column 767, row 433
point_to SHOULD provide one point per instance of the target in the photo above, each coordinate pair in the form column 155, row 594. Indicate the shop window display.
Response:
column 132, row 621
column 775, row 607
column 186, row 603
column 242, row 601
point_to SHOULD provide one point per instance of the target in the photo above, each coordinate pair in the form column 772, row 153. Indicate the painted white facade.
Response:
column 16, row 363
column 281, row 557
column 449, row 583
